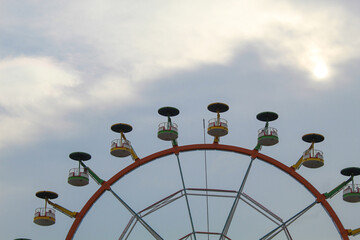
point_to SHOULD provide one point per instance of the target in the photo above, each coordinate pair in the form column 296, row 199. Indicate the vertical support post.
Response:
column 46, row 200
column 206, row 186
column 122, row 136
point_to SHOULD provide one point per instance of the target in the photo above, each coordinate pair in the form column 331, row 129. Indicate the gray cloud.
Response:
column 70, row 70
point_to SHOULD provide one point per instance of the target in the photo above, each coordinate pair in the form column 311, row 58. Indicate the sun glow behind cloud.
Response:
column 75, row 71
column 320, row 71
column 174, row 36
column 132, row 46
column 318, row 65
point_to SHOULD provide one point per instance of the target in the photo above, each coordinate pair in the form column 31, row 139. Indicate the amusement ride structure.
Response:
column 217, row 128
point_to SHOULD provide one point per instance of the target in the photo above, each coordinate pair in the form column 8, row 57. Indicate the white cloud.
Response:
column 145, row 40
column 111, row 89
column 129, row 43
column 34, row 96
column 38, row 93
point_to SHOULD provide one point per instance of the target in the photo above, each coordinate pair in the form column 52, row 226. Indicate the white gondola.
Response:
column 268, row 136
column 167, row 131
column 351, row 193
column 78, row 177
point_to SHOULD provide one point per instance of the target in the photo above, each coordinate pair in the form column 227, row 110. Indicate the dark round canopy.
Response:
column 218, row 107
column 313, row 138
column 168, row 111
column 46, row 195
column 80, row 156
column 351, row 171
column 121, row 127
column 267, row 116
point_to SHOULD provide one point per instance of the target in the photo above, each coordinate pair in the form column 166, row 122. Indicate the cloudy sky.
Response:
column 71, row 69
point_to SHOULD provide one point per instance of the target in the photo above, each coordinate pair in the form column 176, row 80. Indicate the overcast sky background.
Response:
column 71, row 69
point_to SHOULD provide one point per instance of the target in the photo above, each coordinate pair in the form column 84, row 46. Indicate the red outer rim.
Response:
column 175, row 150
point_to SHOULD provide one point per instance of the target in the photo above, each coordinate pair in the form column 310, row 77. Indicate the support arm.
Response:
column 132, row 151
column 338, row 188
column 257, row 147
column 97, row 179
column 63, row 210
column 133, row 154
column 298, row 164
column 353, row 232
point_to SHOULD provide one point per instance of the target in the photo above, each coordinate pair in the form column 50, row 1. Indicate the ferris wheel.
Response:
column 235, row 202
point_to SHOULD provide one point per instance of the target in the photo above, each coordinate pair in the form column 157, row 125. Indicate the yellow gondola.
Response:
column 121, row 147
column 45, row 216
column 313, row 158
column 217, row 127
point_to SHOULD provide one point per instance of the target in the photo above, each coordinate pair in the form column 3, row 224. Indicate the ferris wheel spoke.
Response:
column 283, row 228
column 259, row 208
column 217, row 128
column 288, row 222
column 127, row 231
column 138, row 218
column 279, row 231
column 266, row 213
column 236, row 201
column 186, row 197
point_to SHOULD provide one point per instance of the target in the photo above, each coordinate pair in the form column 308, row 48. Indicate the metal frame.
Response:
column 254, row 154
column 222, row 193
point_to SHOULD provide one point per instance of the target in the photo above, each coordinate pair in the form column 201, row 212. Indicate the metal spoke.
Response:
column 128, row 229
column 236, row 201
column 152, row 231
column 290, row 220
column 186, row 197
